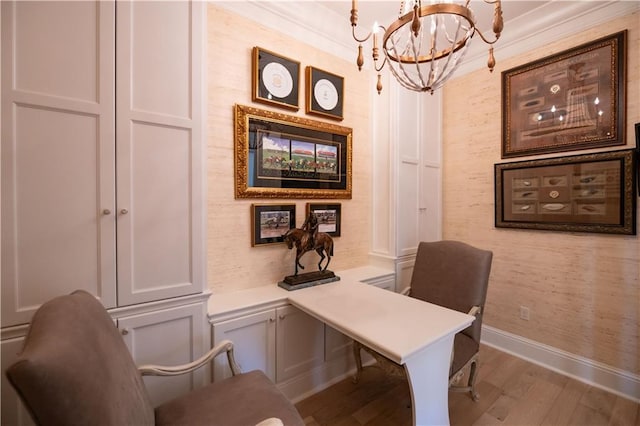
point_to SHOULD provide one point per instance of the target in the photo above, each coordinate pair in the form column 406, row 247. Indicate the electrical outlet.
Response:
column 524, row 313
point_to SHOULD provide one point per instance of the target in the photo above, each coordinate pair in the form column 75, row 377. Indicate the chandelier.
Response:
column 426, row 43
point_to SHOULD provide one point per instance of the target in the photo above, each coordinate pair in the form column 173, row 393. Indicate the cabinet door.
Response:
column 12, row 410
column 168, row 337
column 160, row 124
column 58, row 153
column 254, row 342
column 300, row 343
column 337, row 345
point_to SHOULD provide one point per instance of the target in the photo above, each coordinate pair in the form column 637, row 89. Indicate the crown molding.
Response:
column 553, row 20
column 546, row 24
column 304, row 21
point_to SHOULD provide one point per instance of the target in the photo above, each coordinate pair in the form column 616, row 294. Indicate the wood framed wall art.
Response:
column 329, row 217
column 270, row 221
column 568, row 101
column 324, row 94
column 274, row 79
column 285, row 156
column 638, row 155
column 581, row 193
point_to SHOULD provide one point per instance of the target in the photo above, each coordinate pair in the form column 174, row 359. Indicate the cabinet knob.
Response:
column 282, row 317
column 106, row 212
column 271, row 319
column 125, row 331
column 124, row 211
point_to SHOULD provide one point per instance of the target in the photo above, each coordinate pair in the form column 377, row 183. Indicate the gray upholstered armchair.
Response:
column 454, row 275
column 75, row 369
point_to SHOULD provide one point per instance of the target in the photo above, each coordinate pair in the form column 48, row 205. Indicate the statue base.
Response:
column 309, row 279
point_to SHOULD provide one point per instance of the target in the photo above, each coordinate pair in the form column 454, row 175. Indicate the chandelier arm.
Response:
column 384, row 61
column 360, row 40
column 485, row 39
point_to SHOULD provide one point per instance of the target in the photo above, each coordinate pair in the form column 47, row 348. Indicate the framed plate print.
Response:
column 275, row 79
column 270, row 221
column 328, row 216
column 324, row 94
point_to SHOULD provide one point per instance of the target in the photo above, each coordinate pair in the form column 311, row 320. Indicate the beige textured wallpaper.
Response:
column 583, row 290
column 232, row 264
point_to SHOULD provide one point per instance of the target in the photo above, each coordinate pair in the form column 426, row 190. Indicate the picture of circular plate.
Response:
column 277, row 79
column 325, row 94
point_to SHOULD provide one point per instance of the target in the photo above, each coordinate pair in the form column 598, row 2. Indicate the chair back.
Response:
column 455, row 275
column 75, row 368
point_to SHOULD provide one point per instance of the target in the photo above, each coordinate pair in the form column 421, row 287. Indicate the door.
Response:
column 254, row 344
column 58, row 153
column 159, row 150
column 300, row 343
column 170, row 337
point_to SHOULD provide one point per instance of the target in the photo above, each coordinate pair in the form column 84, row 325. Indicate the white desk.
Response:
column 413, row 333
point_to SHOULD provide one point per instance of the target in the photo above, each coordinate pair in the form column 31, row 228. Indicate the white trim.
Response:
column 552, row 21
column 619, row 382
column 549, row 22
column 305, row 21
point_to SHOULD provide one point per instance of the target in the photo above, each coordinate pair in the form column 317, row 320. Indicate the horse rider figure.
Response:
column 310, row 226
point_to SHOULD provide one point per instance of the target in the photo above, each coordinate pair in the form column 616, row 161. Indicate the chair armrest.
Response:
column 271, row 421
column 161, row 370
column 475, row 311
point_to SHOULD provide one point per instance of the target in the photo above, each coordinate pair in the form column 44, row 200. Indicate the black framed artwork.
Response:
column 270, row 221
column 275, row 79
column 324, row 94
column 328, row 215
column 638, row 155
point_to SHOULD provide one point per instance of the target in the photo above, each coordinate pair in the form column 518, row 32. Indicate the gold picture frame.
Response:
column 284, row 156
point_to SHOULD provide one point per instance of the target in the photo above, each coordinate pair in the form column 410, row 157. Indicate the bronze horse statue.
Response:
column 322, row 244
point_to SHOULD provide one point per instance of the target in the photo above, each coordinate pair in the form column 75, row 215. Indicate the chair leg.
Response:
column 473, row 372
column 358, row 358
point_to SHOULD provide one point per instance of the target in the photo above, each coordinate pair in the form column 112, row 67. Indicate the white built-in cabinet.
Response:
column 296, row 351
column 254, row 343
column 407, row 154
column 283, row 342
column 102, row 173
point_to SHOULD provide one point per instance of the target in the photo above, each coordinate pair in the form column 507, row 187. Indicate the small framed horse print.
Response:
column 270, row 222
column 329, row 217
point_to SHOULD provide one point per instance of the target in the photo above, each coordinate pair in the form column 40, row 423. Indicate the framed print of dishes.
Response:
column 324, row 93
column 275, row 79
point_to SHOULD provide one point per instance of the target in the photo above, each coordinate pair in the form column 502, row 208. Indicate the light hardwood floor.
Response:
column 512, row 391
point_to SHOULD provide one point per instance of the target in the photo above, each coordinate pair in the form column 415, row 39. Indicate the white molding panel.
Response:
column 594, row 373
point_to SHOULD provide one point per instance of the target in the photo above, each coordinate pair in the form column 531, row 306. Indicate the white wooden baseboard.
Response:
column 594, row 373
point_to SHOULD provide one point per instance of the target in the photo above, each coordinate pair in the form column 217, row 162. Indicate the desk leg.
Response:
column 428, row 374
